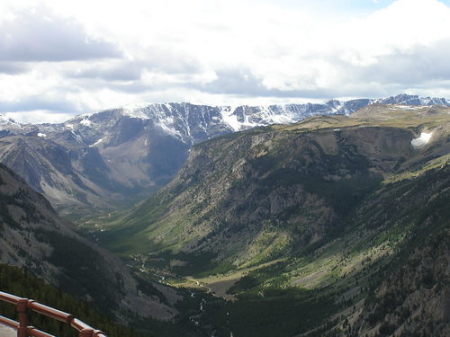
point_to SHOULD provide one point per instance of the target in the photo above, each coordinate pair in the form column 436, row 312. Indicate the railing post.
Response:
column 86, row 333
column 22, row 307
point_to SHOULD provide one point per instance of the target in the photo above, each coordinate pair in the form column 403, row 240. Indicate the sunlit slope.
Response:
column 323, row 228
column 256, row 196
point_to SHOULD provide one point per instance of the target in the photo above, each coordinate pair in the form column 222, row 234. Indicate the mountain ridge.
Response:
column 324, row 227
column 120, row 156
column 320, row 228
column 335, row 106
column 366, row 151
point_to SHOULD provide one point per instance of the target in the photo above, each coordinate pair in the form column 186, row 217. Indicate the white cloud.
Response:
column 36, row 34
column 216, row 51
column 38, row 116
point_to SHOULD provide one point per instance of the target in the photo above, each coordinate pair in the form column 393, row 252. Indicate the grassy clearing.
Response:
column 219, row 284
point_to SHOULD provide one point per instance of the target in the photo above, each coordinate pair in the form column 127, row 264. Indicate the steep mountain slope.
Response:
column 386, row 274
column 34, row 237
column 54, row 170
column 415, row 299
column 322, row 228
column 247, row 196
column 116, row 157
column 400, row 288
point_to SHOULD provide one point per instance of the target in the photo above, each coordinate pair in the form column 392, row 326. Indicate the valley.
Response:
column 221, row 168
column 314, row 212
column 333, row 225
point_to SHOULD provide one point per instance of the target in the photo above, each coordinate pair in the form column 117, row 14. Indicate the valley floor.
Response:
column 219, row 285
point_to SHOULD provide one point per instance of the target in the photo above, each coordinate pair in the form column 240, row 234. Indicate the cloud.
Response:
column 38, row 116
column 418, row 65
column 400, row 48
column 121, row 71
column 37, row 34
column 215, row 51
column 31, row 103
column 157, row 60
column 12, row 68
column 242, row 82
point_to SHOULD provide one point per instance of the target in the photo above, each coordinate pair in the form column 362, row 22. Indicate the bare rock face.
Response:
column 34, row 237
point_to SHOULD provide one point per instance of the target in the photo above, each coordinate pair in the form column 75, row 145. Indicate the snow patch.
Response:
column 406, row 107
column 42, row 135
column 280, row 116
column 255, row 116
column 135, row 111
column 422, row 140
column 167, row 127
column 229, row 118
column 8, row 121
column 168, row 106
column 86, row 122
column 97, row 142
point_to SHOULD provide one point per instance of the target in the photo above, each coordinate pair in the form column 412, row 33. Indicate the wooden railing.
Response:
column 23, row 305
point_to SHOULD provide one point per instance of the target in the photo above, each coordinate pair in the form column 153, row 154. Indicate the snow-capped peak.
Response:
column 6, row 120
column 192, row 123
column 135, row 111
column 9, row 123
column 86, row 122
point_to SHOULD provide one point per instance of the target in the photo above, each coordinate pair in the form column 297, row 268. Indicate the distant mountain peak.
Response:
column 406, row 99
column 134, row 149
column 7, row 121
column 241, row 117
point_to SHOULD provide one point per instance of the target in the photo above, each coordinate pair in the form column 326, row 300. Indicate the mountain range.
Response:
column 117, row 157
column 301, row 220
column 334, row 226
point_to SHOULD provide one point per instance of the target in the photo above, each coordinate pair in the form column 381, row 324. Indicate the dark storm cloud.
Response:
column 39, row 35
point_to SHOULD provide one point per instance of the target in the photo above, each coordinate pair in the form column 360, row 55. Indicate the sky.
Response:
column 59, row 58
